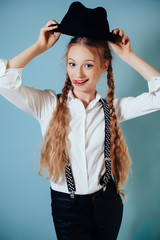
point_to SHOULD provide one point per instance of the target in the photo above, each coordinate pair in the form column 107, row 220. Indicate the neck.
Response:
column 85, row 97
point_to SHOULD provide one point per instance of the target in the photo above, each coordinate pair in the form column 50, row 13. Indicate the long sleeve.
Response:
column 131, row 107
column 32, row 101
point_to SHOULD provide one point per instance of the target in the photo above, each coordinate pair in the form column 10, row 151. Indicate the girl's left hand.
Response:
column 123, row 46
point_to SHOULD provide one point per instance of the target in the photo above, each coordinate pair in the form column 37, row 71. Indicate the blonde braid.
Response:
column 56, row 141
column 120, row 159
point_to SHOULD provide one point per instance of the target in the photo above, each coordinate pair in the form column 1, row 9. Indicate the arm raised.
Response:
column 123, row 49
column 45, row 41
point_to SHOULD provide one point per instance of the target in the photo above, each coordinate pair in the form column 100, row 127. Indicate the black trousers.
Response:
column 95, row 216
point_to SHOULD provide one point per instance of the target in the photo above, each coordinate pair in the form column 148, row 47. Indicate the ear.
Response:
column 105, row 66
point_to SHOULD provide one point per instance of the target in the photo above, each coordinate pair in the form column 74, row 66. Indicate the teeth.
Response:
column 81, row 81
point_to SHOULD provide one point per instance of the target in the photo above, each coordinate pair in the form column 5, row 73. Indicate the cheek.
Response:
column 96, row 74
column 69, row 72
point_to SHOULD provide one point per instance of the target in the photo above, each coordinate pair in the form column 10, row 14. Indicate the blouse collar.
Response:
column 72, row 99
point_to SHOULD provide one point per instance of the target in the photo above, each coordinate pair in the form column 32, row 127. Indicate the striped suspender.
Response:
column 68, row 172
column 69, row 177
column 106, row 176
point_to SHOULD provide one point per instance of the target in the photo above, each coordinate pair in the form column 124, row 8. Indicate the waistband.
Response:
column 110, row 189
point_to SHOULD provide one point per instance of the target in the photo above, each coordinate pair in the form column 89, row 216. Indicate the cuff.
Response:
column 9, row 78
column 154, row 84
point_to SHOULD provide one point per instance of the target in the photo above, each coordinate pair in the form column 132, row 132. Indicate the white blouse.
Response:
column 86, row 127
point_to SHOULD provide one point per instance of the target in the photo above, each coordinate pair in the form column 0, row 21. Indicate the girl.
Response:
column 87, row 176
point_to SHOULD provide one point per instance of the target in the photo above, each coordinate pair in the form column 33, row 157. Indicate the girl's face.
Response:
column 84, row 68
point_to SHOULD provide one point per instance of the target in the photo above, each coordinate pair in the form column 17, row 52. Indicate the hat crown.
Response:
column 85, row 22
column 81, row 7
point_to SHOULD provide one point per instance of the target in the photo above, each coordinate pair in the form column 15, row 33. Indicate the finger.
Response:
column 115, row 31
column 44, row 29
column 125, row 40
column 112, row 45
column 121, row 33
column 57, row 35
column 115, row 47
column 50, row 22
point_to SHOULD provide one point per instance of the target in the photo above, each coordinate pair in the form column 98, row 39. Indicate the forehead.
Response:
column 81, row 52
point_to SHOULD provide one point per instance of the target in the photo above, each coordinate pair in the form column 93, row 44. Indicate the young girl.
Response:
column 87, row 176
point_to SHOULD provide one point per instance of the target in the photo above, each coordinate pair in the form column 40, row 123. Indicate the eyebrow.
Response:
column 84, row 61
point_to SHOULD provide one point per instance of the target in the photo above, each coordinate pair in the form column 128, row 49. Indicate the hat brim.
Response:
column 70, row 31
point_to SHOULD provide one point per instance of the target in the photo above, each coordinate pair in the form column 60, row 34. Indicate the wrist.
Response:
column 38, row 48
column 127, row 57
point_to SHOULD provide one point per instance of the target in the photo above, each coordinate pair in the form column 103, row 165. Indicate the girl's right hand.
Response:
column 46, row 37
column 123, row 46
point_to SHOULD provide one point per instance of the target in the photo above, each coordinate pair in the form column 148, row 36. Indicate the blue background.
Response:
column 25, row 211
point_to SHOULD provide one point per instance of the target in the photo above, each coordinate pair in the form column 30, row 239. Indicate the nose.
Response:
column 79, row 72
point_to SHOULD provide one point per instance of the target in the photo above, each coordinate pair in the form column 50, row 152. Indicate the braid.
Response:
column 120, row 159
column 65, row 90
column 56, row 140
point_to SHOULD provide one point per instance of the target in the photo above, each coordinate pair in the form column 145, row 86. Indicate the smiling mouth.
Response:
column 79, row 82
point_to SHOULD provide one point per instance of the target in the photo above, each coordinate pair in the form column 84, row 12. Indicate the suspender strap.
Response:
column 69, row 177
column 68, row 171
column 106, row 176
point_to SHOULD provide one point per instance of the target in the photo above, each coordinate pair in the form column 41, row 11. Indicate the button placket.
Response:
column 84, row 149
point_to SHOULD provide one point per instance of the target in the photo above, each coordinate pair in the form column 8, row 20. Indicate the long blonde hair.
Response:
column 56, row 142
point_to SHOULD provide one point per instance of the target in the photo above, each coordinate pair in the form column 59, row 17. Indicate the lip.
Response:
column 80, row 84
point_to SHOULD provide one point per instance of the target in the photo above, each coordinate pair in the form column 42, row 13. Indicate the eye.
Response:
column 88, row 65
column 72, row 64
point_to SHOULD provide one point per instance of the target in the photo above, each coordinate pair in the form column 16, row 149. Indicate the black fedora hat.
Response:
column 86, row 22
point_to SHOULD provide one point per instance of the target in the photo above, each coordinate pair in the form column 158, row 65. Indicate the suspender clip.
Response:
column 72, row 195
column 104, row 187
